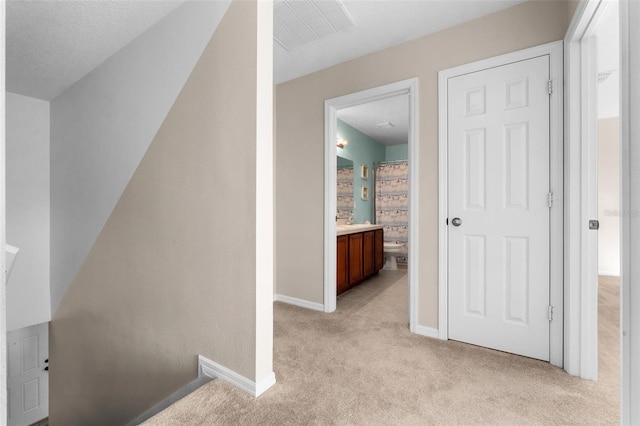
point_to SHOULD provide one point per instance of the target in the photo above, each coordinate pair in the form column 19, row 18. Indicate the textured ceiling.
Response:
column 53, row 44
column 366, row 118
column 379, row 24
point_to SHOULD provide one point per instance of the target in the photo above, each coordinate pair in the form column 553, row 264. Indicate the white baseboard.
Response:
column 266, row 383
column 609, row 273
column 298, row 302
column 427, row 331
column 212, row 369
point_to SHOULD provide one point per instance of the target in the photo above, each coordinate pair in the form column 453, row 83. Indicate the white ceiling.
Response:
column 53, row 44
column 379, row 24
column 366, row 118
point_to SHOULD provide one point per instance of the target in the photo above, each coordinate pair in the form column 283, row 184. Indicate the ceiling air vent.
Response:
column 602, row 76
column 298, row 22
column 386, row 125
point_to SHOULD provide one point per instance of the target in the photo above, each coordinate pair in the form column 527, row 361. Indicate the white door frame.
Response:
column 3, row 217
column 554, row 50
column 578, row 99
column 331, row 107
column 630, row 206
column 581, row 150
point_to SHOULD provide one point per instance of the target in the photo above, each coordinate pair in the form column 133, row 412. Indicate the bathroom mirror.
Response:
column 345, row 188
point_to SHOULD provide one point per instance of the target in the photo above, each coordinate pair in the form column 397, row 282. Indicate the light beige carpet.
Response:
column 361, row 366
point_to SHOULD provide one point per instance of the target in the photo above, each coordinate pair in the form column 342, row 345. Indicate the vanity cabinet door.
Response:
column 343, row 264
column 369, row 254
column 355, row 258
column 379, row 249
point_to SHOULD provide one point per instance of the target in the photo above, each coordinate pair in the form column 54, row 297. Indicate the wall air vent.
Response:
column 298, row 22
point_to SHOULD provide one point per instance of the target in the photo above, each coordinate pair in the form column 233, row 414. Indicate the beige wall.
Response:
column 299, row 115
column 609, row 196
column 173, row 272
column 572, row 5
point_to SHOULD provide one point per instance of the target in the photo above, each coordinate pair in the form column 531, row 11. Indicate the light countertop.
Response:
column 355, row 228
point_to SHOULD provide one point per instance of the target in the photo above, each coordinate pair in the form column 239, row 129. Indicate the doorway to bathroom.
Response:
column 373, row 171
column 379, row 185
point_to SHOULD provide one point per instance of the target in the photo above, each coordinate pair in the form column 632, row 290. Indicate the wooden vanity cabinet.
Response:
column 379, row 249
column 355, row 258
column 368, row 253
column 359, row 256
column 343, row 263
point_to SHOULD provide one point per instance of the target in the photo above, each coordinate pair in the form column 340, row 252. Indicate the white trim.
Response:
column 443, row 210
column 330, row 206
column 556, row 182
column 331, row 107
column 572, row 245
column 589, row 210
column 603, row 273
column 414, row 209
column 427, row 331
column 212, row 369
column 298, row 302
column 554, row 50
column 265, row 193
column 263, row 385
column 3, row 217
column 630, row 204
column 580, row 251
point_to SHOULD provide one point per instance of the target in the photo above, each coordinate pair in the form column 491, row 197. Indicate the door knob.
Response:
column 456, row 221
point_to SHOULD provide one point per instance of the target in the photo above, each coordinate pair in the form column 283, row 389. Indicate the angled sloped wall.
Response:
column 103, row 124
column 173, row 272
column 28, row 223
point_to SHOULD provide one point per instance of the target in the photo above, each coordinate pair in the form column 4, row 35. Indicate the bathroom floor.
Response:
column 370, row 290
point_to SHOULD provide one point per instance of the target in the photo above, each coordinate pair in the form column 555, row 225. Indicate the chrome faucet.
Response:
column 350, row 220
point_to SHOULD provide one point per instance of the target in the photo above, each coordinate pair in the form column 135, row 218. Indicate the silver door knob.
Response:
column 456, row 221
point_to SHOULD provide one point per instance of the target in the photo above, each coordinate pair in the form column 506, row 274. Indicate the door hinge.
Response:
column 550, row 86
column 550, row 199
column 550, row 313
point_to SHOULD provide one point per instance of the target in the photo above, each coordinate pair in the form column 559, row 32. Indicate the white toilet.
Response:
column 391, row 250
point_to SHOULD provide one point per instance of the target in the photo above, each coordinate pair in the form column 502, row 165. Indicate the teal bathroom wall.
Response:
column 397, row 152
column 361, row 150
column 343, row 162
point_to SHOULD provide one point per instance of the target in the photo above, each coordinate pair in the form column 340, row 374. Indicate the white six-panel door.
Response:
column 28, row 380
column 498, row 178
